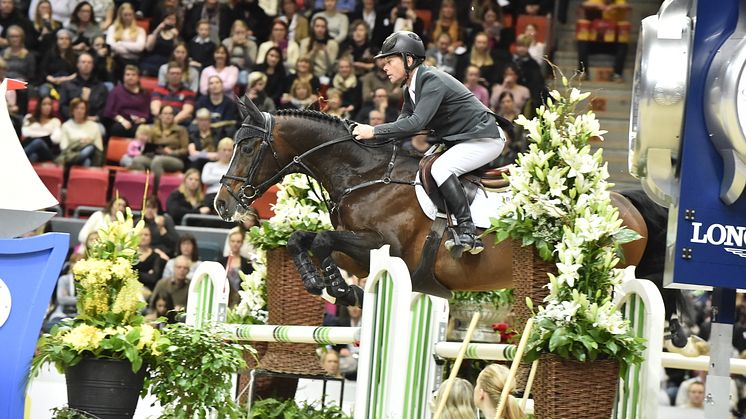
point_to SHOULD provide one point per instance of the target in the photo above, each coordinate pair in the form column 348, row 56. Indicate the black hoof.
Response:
column 679, row 336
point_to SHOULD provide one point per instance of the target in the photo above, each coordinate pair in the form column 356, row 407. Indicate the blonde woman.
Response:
column 242, row 50
column 21, row 63
column 188, row 198
column 460, row 402
column 490, row 384
column 447, row 22
column 167, row 149
column 127, row 40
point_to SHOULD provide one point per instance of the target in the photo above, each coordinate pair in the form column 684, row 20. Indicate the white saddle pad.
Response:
column 484, row 206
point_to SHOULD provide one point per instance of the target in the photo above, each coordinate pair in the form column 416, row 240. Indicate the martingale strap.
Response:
column 386, row 179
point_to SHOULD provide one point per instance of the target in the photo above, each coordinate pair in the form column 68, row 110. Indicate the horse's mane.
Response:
column 308, row 113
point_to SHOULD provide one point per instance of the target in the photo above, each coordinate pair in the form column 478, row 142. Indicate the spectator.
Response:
column 176, row 287
column 297, row 23
column 103, row 63
column 218, row 15
column 185, row 246
column 255, row 92
column 346, row 82
column 277, row 79
column 143, row 135
column 250, row 219
column 126, row 39
column 61, row 10
column 254, row 15
column 337, row 23
column 378, row 79
column 696, row 395
column 189, row 74
column 536, row 49
column 227, row 72
column 159, row 45
column 242, row 50
column 167, row 149
column 203, row 139
column 485, row 60
column 188, row 198
column 447, row 22
column 150, row 261
column 43, row 27
column 58, row 63
column 358, row 48
column 161, row 7
column 86, row 86
column 161, row 226
column 163, row 307
column 100, row 218
column 506, row 106
column 66, row 299
column 472, row 82
column 304, row 72
column 42, row 132
column 103, row 12
column 335, row 106
column 214, row 171
column 222, row 109
column 375, row 117
column 489, row 386
column 521, row 94
column 9, row 17
column 300, row 96
column 21, row 62
column 11, row 99
column 442, row 54
column 289, row 50
column 127, row 106
column 82, row 247
column 368, row 13
column 81, row 143
column 234, row 263
column 489, row 23
column 84, row 26
column 175, row 95
column 201, row 47
column 380, row 103
column 320, row 48
column 330, row 362
column 404, row 18
column 460, row 401
column 529, row 71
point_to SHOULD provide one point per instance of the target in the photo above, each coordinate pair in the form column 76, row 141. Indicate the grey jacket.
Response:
column 445, row 105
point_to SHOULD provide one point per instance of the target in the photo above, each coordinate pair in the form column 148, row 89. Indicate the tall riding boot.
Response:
column 466, row 232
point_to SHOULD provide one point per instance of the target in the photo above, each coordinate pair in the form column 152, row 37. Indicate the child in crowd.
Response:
column 143, row 136
column 490, row 384
column 460, row 402
column 300, row 96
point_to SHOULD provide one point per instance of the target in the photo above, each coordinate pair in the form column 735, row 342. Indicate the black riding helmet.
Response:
column 404, row 43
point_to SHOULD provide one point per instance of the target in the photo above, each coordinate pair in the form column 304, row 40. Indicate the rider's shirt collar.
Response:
column 412, row 83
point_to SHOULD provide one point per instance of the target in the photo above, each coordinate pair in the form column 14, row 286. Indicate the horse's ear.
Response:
column 247, row 108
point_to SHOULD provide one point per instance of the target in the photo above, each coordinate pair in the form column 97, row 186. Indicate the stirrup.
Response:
column 463, row 242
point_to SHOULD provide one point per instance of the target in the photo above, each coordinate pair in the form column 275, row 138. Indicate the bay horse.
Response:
column 373, row 203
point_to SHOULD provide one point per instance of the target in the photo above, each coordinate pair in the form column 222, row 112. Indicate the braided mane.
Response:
column 308, row 113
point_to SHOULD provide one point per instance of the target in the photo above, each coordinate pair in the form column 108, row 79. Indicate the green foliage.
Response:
column 69, row 413
column 496, row 298
column 193, row 375
column 288, row 409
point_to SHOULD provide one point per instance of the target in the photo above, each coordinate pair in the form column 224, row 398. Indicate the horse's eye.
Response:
column 247, row 149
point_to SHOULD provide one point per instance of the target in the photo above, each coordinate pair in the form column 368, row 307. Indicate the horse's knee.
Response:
column 322, row 244
column 299, row 242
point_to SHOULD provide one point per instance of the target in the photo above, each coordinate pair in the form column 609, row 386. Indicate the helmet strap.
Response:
column 408, row 69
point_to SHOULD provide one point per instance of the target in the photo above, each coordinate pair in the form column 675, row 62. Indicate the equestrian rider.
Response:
column 437, row 101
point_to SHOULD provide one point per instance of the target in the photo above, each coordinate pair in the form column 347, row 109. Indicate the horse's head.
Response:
column 246, row 178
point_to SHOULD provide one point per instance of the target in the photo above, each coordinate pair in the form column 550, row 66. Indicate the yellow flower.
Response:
column 128, row 298
column 147, row 335
column 84, row 337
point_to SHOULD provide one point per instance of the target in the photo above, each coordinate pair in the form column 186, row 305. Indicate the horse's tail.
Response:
column 653, row 260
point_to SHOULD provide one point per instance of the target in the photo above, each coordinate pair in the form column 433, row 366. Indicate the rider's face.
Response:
column 394, row 68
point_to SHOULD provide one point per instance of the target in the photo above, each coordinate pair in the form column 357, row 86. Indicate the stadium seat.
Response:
column 116, row 148
column 86, row 186
column 148, row 83
column 169, row 182
column 264, row 203
column 130, row 185
column 144, row 23
column 52, row 177
column 426, row 15
column 542, row 24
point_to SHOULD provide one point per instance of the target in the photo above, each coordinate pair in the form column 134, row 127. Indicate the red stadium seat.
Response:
column 541, row 23
column 169, row 182
column 148, row 83
column 131, row 186
column 265, row 202
column 116, row 148
column 144, row 23
column 86, row 186
column 52, row 176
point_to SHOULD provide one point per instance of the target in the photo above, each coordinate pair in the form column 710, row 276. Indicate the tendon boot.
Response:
column 312, row 281
column 337, row 287
column 464, row 239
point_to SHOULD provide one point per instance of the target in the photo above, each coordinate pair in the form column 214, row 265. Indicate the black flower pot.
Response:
column 106, row 388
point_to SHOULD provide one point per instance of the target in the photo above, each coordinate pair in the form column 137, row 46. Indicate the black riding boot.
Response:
column 466, row 239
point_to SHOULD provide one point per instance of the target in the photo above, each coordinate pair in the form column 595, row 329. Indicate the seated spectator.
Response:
column 21, row 62
column 521, row 94
column 150, row 261
column 82, row 247
column 337, row 22
column 485, row 58
column 128, row 105
column 160, row 43
column 330, row 361
column 696, row 395
column 166, row 150
column 359, row 48
column 85, row 86
column 254, row 15
column 81, row 143
column 472, row 82
column 175, row 287
column 447, row 22
column 403, row 17
column 126, row 39
column 223, row 110
column 160, row 7
column 43, row 26
column 42, row 132
column 460, row 400
column 218, row 15
column 103, row 12
column 300, row 96
column 10, row 15
column 288, row 48
column 442, row 54
column 58, row 63
column 162, row 231
column 489, row 23
column 103, row 63
column 241, row 50
column 536, row 49
column 296, row 22
column 185, row 246
column 188, row 198
column 175, row 95
column 83, row 26
column 375, row 118
column 201, row 46
column 100, row 218
column 380, row 103
column 255, row 92
column 304, row 72
column 346, row 82
column 234, row 263
column 320, row 48
column 12, row 100
column 189, row 73
column 277, row 78
column 488, row 389
column 227, row 72
column 335, row 106
column 163, row 307
column 378, row 79
column 250, row 219
column 214, row 170
column 203, row 139
column 143, row 135
column 61, row 10
column 529, row 72
column 65, row 296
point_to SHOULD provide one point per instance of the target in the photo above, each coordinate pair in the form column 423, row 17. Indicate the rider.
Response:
column 435, row 100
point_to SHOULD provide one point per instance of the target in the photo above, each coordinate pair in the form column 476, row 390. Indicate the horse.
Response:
column 370, row 185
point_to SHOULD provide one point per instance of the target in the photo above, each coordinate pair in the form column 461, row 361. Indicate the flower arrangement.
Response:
column 109, row 323
column 560, row 203
column 252, row 309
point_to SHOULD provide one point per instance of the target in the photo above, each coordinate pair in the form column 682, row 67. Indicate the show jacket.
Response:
column 445, row 105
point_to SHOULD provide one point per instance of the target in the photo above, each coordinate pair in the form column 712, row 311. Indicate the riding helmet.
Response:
column 403, row 43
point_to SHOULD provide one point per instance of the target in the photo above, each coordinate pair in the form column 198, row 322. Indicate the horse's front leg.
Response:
column 356, row 245
column 298, row 246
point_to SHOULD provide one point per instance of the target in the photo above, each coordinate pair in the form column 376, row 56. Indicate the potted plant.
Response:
column 272, row 408
column 493, row 306
column 105, row 350
column 560, row 205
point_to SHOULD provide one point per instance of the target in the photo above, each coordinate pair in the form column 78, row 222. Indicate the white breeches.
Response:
column 465, row 157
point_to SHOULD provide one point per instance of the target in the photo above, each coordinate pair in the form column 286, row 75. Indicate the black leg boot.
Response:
column 466, row 233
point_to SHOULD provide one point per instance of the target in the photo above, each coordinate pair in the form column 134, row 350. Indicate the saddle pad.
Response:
column 484, row 206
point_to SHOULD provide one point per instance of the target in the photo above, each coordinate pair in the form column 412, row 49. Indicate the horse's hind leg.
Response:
column 298, row 246
column 356, row 245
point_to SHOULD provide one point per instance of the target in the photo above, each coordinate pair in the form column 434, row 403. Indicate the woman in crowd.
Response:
column 234, row 263
column 104, row 64
column 162, row 231
column 160, row 43
column 163, row 307
column 304, row 73
column 100, row 218
column 335, row 106
column 537, row 49
column 297, row 23
column 127, row 40
column 83, row 25
column 447, row 22
column 203, row 138
column 168, row 147
column 214, row 171
column 481, row 56
column 42, row 132
column 320, row 48
column 289, row 50
column 337, row 22
column 81, row 143
column 277, row 78
column 223, row 109
column 472, row 83
column 58, row 63
column 521, row 94
column 190, row 75
column 44, row 26
column 227, row 72
column 242, row 50
column 185, row 246
column 300, row 96
column 358, row 47
column 460, row 401
column 21, row 62
column 257, row 94
column 150, row 261
column 330, row 363
column 188, row 198
column 128, row 105
column 247, row 251
column 490, row 385
column 346, row 82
